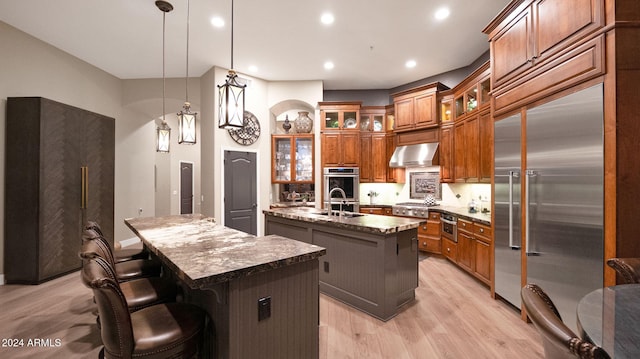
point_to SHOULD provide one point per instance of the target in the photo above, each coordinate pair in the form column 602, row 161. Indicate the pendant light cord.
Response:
column 231, row 34
column 163, row 76
column 186, row 81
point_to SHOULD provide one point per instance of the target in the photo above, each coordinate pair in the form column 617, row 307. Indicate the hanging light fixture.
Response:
column 163, row 131
column 231, row 96
column 186, row 118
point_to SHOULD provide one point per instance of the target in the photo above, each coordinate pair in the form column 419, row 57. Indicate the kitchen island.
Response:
column 258, row 290
column 371, row 261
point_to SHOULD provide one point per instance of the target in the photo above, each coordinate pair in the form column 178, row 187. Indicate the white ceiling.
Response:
column 369, row 42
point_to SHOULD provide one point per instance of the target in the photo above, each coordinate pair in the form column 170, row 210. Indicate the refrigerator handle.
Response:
column 529, row 174
column 512, row 175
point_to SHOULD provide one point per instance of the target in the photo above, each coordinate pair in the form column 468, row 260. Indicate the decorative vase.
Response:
column 287, row 124
column 303, row 123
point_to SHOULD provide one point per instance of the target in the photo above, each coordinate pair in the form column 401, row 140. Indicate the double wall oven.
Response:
column 347, row 179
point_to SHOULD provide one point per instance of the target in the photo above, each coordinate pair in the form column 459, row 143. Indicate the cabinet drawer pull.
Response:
column 481, row 230
column 448, row 249
column 424, row 227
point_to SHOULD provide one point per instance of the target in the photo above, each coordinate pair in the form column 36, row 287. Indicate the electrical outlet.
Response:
column 326, row 267
column 264, row 308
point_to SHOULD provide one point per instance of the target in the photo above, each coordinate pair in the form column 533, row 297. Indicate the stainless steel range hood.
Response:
column 420, row 155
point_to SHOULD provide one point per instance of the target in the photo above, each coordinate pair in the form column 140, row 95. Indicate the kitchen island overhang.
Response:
column 371, row 261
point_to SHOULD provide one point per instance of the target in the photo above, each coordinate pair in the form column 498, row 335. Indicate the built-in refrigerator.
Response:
column 549, row 200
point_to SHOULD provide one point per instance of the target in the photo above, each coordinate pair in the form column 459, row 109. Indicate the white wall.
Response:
column 260, row 96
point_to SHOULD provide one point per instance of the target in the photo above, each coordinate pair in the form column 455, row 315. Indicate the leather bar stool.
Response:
column 139, row 293
column 119, row 255
column 557, row 339
column 170, row 330
column 127, row 270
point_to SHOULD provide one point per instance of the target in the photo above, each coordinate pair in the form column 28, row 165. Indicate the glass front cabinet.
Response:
column 292, row 158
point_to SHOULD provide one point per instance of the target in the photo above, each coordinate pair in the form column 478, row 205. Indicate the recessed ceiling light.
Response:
column 217, row 21
column 253, row 68
column 410, row 64
column 442, row 13
column 328, row 65
column 327, row 18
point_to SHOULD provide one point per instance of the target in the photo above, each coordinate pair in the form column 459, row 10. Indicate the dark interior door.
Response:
column 240, row 191
column 186, row 188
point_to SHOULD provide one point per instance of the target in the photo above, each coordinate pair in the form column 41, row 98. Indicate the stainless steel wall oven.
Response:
column 346, row 178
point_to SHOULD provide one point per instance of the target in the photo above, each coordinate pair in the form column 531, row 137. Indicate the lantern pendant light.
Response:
column 231, row 96
column 186, row 118
column 163, row 131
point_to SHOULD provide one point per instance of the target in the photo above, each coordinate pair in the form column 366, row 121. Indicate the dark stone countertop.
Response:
column 292, row 204
column 370, row 223
column 463, row 212
column 204, row 253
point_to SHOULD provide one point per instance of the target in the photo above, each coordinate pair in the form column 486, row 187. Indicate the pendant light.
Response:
column 186, row 118
column 163, row 131
column 231, row 96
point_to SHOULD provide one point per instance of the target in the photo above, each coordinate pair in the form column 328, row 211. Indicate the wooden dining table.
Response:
column 610, row 318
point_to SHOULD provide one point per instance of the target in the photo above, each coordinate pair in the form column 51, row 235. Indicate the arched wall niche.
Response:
column 289, row 108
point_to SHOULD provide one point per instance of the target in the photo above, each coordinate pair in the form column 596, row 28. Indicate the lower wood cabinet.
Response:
column 429, row 234
column 450, row 249
column 385, row 211
column 474, row 249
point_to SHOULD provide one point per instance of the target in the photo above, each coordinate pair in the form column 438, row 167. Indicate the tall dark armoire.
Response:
column 59, row 173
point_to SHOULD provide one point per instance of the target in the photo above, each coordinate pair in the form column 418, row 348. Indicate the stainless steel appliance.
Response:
column 552, row 208
column 347, row 179
column 449, row 228
column 411, row 209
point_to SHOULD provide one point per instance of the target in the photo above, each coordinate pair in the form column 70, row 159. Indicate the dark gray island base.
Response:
column 371, row 261
column 231, row 274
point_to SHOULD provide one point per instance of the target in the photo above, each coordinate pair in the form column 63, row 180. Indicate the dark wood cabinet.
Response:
column 59, row 173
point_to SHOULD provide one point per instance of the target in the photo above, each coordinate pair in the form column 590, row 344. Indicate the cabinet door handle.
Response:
column 84, row 186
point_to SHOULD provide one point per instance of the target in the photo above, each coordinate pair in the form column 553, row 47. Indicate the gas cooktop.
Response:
column 415, row 204
column 412, row 209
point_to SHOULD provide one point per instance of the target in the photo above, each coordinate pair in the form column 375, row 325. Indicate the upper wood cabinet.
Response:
column 472, row 131
column 417, row 108
column 340, row 149
column 394, row 175
column 292, row 159
column 340, row 138
column 535, row 30
column 446, row 153
column 340, row 115
column 373, row 119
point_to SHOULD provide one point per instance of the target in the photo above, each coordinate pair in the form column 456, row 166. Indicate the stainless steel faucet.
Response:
column 344, row 200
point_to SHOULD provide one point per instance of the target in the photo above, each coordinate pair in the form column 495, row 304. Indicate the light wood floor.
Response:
column 453, row 317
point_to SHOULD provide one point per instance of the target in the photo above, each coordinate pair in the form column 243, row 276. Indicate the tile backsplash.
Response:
column 453, row 194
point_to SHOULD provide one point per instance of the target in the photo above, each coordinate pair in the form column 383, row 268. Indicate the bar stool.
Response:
column 138, row 293
column 127, row 270
column 170, row 330
column 119, row 255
